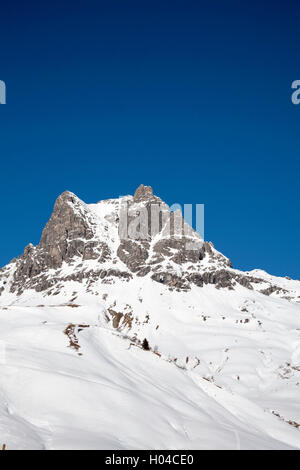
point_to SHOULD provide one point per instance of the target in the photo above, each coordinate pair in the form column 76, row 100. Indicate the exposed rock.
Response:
column 270, row 290
column 67, row 232
column 144, row 193
column 164, row 247
column 133, row 254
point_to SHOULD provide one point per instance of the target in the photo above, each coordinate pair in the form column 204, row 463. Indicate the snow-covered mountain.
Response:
column 220, row 367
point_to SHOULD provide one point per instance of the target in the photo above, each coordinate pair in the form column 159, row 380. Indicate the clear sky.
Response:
column 190, row 97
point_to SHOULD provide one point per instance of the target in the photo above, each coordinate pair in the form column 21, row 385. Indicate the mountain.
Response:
column 123, row 329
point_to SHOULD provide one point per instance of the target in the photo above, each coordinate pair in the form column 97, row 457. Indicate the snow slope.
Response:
column 109, row 393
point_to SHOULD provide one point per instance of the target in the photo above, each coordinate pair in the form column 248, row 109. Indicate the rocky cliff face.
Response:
column 68, row 232
column 92, row 243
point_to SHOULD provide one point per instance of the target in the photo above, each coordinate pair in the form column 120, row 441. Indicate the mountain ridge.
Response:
column 72, row 235
column 222, row 365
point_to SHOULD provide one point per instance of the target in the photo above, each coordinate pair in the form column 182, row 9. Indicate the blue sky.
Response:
column 192, row 98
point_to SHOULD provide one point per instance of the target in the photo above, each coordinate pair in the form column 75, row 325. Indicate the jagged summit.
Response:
column 68, row 195
column 143, row 193
column 88, row 244
column 66, row 222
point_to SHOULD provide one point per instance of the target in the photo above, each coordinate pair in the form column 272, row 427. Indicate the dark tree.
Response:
column 145, row 345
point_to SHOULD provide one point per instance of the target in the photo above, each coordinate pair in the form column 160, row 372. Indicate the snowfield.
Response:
column 238, row 388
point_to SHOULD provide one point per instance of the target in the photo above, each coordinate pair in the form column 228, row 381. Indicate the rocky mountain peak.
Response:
column 67, row 222
column 143, row 194
column 83, row 243
column 87, row 305
column 91, row 303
